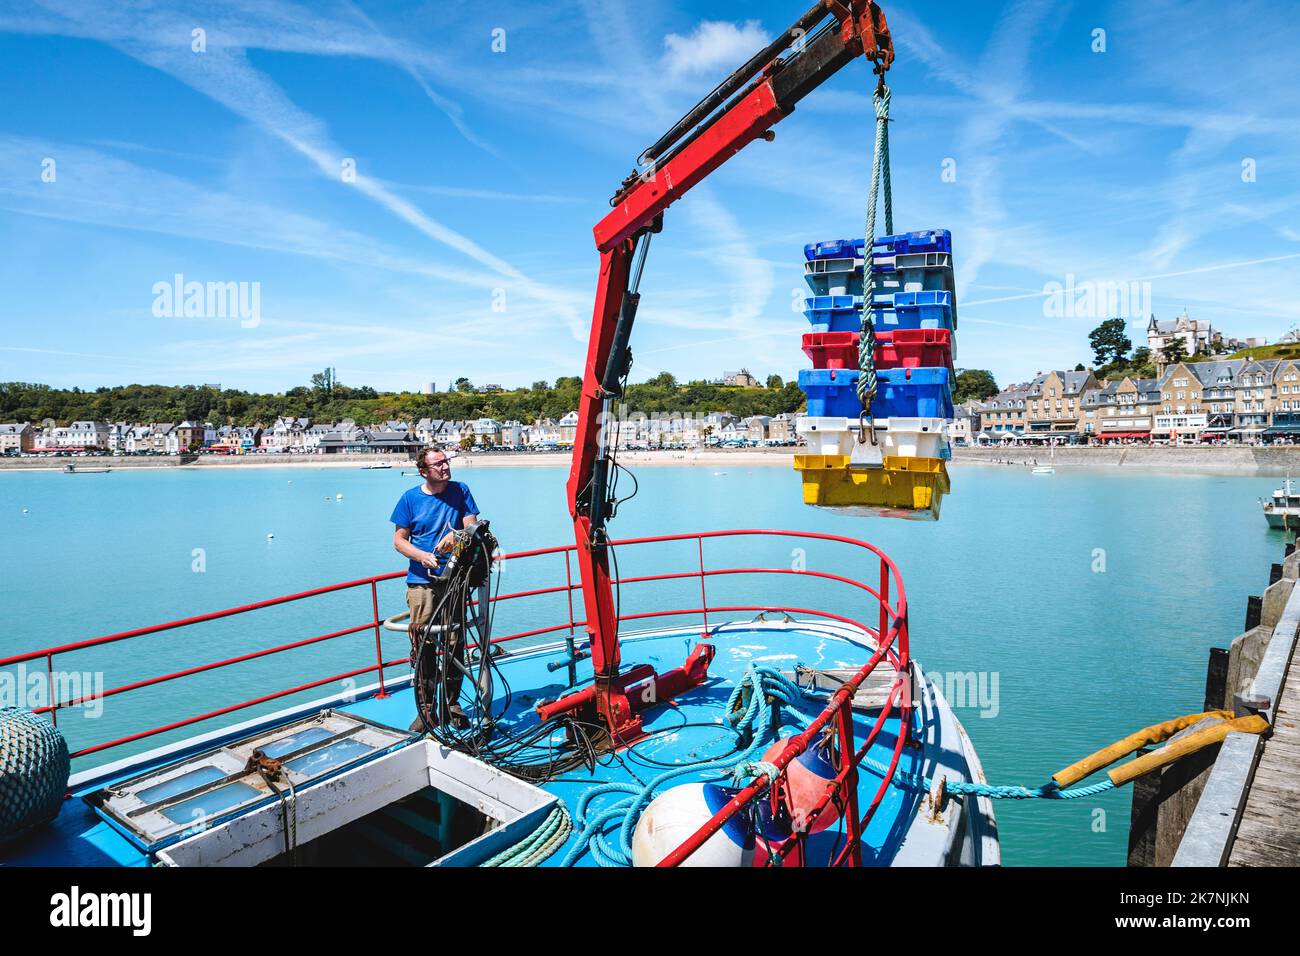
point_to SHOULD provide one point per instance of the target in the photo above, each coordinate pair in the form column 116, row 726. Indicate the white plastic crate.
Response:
column 839, row 436
column 913, row 437
column 828, row 436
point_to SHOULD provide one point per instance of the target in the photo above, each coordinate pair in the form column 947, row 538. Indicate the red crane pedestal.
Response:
column 617, row 703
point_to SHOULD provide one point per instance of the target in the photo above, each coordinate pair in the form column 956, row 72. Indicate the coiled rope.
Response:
column 749, row 711
column 879, row 179
column 538, row 845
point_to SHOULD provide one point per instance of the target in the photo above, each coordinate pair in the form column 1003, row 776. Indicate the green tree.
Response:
column 774, row 382
column 976, row 383
column 463, row 385
column 1175, row 351
column 1110, row 342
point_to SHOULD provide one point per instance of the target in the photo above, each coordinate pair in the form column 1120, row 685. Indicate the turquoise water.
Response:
column 1009, row 586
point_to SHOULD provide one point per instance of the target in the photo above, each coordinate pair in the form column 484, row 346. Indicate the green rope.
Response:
column 880, row 182
column 538, row 845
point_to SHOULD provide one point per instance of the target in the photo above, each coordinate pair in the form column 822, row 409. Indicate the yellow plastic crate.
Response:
column 898, row 488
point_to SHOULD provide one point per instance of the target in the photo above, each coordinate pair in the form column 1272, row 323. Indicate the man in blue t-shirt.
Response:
column 426, row 519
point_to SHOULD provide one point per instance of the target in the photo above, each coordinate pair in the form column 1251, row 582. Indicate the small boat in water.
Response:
column 73, row 469
column 377, row 466
column 1282, row 511
column 1043, row 470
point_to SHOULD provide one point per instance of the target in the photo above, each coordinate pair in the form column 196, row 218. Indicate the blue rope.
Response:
column 1049, row 791
column 749, row 711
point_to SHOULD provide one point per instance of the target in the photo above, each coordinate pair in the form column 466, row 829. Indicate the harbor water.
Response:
column 1059, row 613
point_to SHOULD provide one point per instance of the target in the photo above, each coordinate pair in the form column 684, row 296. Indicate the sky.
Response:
column 405, row 191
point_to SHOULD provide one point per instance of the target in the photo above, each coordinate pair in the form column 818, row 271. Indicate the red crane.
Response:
column 743, row 108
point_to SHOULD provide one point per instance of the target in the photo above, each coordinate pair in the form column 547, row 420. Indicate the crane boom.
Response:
column 741, row 109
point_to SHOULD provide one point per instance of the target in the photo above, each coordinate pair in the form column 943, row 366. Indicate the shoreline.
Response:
column 1245, row 461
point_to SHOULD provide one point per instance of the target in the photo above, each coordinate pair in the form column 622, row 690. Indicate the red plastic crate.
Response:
column 831, row 349
column 914, row 348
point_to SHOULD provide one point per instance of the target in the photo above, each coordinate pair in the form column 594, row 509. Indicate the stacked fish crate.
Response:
column 897, row 469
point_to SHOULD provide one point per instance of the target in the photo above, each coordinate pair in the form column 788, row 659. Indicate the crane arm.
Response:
column 741, row 109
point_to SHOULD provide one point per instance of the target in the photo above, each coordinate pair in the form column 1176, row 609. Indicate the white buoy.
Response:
column 338, row 497
column 24, row 511
column 269, row 536
column 677, row 813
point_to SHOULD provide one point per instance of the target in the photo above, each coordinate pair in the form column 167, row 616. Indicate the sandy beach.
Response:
column 703, row 458
column 1232, row 460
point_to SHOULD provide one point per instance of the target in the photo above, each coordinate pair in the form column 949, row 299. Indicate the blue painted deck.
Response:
column 688, row 730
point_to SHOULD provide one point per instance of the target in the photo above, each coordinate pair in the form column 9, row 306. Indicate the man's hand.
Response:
column 429, row 559
column 447, row 541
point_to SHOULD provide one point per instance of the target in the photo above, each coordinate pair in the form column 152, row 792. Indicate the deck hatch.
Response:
column 164, row 805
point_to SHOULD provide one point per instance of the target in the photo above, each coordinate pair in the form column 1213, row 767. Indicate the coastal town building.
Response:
column 965, row 423
column 1198, row 336
column 1002, row 417
column 743, row 379
column 17, row 438
column 781, row 428
column 1255, row 393
column 426, row 430
column 1119, row 411
column 568, row 427
column 1053, row 401
column 288, row 434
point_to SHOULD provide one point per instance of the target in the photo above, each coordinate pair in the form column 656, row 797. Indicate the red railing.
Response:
column 889, row 632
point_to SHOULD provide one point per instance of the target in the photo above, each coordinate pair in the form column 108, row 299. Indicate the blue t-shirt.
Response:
column 429, row 517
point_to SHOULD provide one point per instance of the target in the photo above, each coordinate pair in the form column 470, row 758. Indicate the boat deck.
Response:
column 690, row 729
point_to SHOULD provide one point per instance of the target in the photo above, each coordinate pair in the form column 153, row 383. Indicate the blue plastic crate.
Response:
column 890, row 281
column 911, row 393
column 913, row 310
column 834, row 313
column 834, row 249
column 834, row 276
column 927, row 240
column 889, row 262
column 832, row 392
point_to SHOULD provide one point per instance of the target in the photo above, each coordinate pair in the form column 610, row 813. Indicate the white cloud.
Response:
column 713, row 45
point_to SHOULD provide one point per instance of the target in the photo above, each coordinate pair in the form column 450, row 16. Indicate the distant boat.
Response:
column 1044, row 470
column 376, row 466
column 1283, row 510
column 72, row 469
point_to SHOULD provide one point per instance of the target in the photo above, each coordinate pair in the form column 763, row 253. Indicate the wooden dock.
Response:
column 1247, row 800
column 1269, row 833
